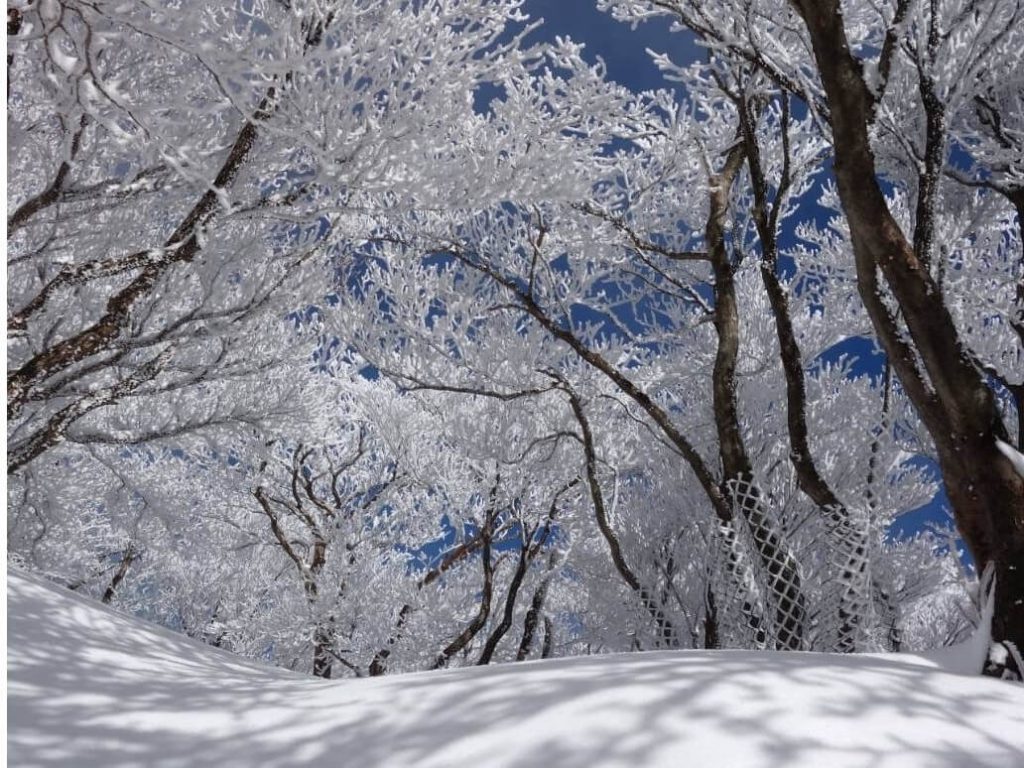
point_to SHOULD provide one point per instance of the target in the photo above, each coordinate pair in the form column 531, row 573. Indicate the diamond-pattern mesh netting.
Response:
column 792, row 584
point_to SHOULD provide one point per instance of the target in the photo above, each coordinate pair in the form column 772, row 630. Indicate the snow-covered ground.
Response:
column 89, row 687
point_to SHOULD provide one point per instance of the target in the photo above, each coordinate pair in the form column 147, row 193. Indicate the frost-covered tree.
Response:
column 559, row 315
column 176, row 173
column 369, row 337
column 919, row 104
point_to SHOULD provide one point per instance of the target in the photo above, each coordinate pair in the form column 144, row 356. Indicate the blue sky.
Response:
column 623, row 50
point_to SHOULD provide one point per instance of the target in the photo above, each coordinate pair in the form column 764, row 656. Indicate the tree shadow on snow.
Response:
column 91, row 688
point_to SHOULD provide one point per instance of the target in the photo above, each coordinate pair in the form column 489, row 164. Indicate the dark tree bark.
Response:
column 310, row 567
column 379, row 665
column 14, row 21
column 949, row 392
column 548, row 646
column 782, row 575
column 809, row 479
column 711, row 638
column 181, row 248
column 535, row 611
column 666, row 631
column 465, row 637
column 491, row 644
column 528, row 551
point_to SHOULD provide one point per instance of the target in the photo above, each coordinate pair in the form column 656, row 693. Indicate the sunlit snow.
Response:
column 89, row 687
column 1016, row 457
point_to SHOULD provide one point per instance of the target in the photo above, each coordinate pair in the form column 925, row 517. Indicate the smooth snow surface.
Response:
column 88, row 687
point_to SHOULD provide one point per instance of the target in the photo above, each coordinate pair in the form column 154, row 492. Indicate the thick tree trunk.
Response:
column 950, row 394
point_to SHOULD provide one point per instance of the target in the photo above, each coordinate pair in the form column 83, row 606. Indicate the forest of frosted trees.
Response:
column 369, row 336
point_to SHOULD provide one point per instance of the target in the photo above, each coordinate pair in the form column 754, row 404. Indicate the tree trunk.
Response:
column 323, row 659
column 782, row 575
column 127, row 558
column 666, row 630
column 949, row 393
column 533, row 615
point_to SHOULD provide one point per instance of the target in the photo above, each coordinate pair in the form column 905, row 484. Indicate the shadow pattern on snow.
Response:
column 88, row 687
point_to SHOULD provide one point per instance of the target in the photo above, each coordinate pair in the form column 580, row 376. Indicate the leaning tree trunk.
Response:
column 949, row 392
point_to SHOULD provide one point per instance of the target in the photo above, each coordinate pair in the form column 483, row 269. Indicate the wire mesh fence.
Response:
column 794, row 583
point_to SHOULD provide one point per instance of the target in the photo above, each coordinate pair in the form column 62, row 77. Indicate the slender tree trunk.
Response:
column 779, row 566
column 666, row 631
column 464, row 638
column 491, row 644
column 548, row 647
column 379, row 665
column 127, row 558
column 533, row 615
column 323, row 658
column 711, row 638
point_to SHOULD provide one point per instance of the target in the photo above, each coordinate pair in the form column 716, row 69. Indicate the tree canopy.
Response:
column 375, row 335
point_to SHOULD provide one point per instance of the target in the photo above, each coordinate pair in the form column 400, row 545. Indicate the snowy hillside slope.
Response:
column 89, row 687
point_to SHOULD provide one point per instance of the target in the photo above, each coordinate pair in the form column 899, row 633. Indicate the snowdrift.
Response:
column 89, row 687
